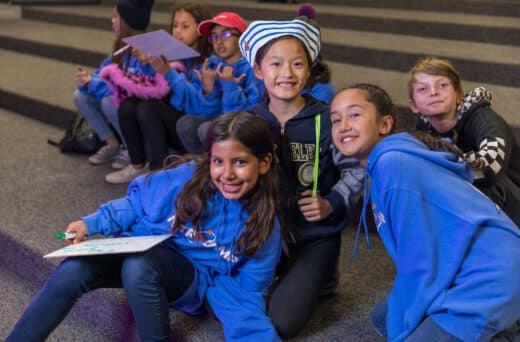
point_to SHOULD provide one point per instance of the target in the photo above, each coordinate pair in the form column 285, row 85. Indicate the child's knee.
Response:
column 136, row 270
column 79, row 98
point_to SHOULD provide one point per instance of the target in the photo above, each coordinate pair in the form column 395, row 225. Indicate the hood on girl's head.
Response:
column 227, row 19
column 136, row 13
column 259, row 33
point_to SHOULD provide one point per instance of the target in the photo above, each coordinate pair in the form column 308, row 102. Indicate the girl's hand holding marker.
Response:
column 76, row 232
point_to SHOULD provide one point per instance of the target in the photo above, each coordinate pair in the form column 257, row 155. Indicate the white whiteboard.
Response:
column 118, row 245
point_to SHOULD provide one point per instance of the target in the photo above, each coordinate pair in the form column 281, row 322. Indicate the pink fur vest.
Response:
column 126, row 84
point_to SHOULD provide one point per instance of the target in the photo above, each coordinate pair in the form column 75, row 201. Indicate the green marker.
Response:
column 67, row 236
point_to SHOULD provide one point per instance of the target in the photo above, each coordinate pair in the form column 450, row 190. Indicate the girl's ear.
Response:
column 258, row 72
column 386, row 125
column 265, row 164
column 412, row 106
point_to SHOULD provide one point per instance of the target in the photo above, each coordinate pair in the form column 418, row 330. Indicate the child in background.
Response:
column 93, row 96
column 225, row 245
column 456, row 254
column 232, row 83
column 486, row 139
column 148, row 126
column 282, row 53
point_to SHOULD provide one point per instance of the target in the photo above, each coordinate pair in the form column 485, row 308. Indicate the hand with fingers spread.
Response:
column 207, row 77
column 82, row 77
column 159, row 64
column 80, row 229
column 314, row 208
column 227, row 74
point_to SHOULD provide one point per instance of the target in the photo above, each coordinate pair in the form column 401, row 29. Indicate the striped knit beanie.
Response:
column 262, row 32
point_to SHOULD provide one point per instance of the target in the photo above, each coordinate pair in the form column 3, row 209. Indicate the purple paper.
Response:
column 161, row 43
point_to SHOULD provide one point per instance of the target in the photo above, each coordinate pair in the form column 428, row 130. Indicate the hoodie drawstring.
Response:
column 362, row 219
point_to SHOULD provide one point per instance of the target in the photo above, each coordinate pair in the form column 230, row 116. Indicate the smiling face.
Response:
column 285, row 69
column 225, row 43
column 434, row 97
column 234, row 169
column 185, row 28
column 356, row 125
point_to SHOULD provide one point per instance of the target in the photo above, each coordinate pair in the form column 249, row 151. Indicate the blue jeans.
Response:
column 428, row 330
column 190, row 132
column 96, row 113
column 151, row 280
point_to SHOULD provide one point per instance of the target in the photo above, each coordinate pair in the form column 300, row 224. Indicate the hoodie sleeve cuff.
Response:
column 92, row 222
column 337, row 203
column 229, row 86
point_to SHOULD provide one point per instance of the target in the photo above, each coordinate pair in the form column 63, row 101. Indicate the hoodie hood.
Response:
column 405, row 143
column 312, row 107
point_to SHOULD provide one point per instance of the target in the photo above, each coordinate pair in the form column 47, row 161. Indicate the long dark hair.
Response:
column 384, row 106
column 200, row 13
column 260, row 203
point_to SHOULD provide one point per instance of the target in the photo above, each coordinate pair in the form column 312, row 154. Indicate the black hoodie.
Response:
column 484, row 135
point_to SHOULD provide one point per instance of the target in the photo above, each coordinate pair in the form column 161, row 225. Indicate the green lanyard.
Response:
column 316, row 169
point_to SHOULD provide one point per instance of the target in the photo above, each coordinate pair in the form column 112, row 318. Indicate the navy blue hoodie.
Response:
column 294, row 148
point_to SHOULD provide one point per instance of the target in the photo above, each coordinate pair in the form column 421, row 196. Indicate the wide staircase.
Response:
column 43, row 190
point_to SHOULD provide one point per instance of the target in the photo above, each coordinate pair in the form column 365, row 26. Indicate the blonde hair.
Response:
column 438, row 67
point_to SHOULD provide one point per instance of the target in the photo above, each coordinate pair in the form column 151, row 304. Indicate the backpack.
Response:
column 79, row 138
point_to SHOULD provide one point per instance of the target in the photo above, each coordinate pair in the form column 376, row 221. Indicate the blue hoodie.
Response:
column 234, row 285
column 227, row 96
column 456, row 253
column 98, row 88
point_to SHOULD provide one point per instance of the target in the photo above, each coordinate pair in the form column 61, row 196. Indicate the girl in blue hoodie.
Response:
column 148, row 126
column 457, row 254
column 225, row 245
column 228, row 82
column 93, row 97
column 316, row 194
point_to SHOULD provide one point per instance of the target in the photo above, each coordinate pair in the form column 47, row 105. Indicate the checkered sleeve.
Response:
column 491, row 155
column 489, row 140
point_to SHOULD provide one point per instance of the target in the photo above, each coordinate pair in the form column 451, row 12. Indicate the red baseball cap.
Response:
column 227, row 19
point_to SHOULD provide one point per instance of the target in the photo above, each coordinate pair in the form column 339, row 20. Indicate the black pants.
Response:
column 302, row 277
column 148, row 128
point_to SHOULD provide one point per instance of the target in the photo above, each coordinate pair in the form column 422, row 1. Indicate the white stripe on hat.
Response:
column 261, row 32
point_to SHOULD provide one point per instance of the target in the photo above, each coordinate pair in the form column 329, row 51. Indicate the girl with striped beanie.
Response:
column 317, row 197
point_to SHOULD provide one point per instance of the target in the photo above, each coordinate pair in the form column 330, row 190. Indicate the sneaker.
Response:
column 122, row 160
column 105, row 154
column 126, row 174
